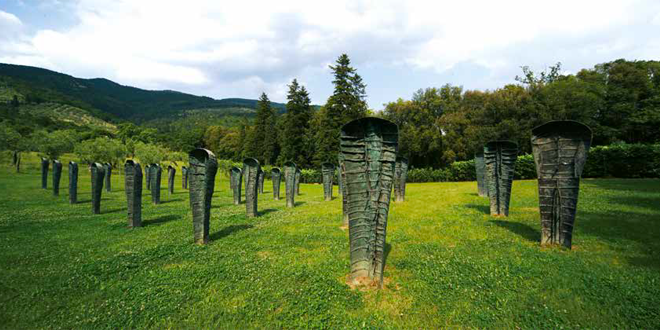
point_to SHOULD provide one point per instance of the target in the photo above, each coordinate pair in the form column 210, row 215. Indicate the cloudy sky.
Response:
column 241, row 48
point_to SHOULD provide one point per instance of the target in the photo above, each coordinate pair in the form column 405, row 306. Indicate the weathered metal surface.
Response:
column 57, row 175
column 340, row 180
column 73, row 183
column 236, row 178
column 400, row 178
column 108, row 173
column 155, row 172
column 328, row 172
column 171, row 175
column 276, row 177
column 147, row 174
column 260, row 179
column 251, row 170
column 133, row 189
column 500, row 158
column 369, row 147
column 202, row 171
column 184, row 177
column 480, row 168
column 342, row 175
column 98, row 174
column 298, row 175
column 560, row 151
column 44, row 173
column 290, row 183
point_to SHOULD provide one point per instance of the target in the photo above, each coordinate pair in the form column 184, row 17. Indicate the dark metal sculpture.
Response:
column 340, row 180
column 57, row 174
column 156, row 172
column 73, row 183
column 108, row 173
column 480, row 168
column 236, row 179
column 251, row 170
column 400, row 178
column 369, row 147
column 98, row 174
column 133, row 188
column 290, row 169
column 147, row 174
column 328, row 172
column 184, row 177
column 341, row 172
column 171, row 174
column 500, row 158
column 560, row 151
column 298, row 176
column 44, row 173
column 276, row 176
column 202, row 170
column 260, row 178
column 17, row 161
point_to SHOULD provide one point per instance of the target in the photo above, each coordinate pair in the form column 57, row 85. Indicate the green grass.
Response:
column 450, row 264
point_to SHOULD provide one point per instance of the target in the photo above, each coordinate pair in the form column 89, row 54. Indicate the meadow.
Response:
column 449, row 263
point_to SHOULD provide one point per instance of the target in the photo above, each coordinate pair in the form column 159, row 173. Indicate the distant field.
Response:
column 67, row 113
column 449, row 263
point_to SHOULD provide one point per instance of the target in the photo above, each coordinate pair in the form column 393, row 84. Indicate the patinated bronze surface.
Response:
column 184, row 177
column 500, row 158
column 171, row 175
column 480, row 168
column 202, row 170
column 108, row 173
column 73, row 183
column 147, row 174
column 57, row 175
column 236, row 183
column 98, row 174
column 342, row 179
column 260, row 178
column 560, row 151
column 133, row 189
column 156, row 172
column 400, row 177
column 251, row 170
column 369, row 147
column 298, row 175
column 290, row 183
column 328, row 172
column 276, row 176
column 44, row 173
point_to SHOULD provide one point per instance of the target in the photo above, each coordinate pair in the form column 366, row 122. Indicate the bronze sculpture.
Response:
column 171, row 175
column 133, row 189
column 202, row 170
column 500, row 158
column 341, row 172
column 290, row 183
column 108, row 173
column 155, row 173
column 400, row 177
column 480, row 168
column 369, row 147
column 147, row 174
column 251, row 170
column 73, row 183
column 276, row 177
column 560, row 151
column 260, row 179
column 57, row 174
column 184, row 177
column 44, row 173
column 328, row 171
column 98, row 174
column 298, row 176
column 236, row 180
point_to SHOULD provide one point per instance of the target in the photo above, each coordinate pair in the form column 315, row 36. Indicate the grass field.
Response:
column 449, row 263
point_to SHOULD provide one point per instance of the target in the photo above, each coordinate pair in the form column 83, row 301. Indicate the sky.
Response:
column 235, row 48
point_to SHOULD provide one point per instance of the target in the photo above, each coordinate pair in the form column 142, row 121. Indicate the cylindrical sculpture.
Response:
column 73, row 183
column 202, row 170
column 369, row 146
column 328, row 172
column 260, row 178
column 340, row 180
column 341, row 173
column 133, row 188
column 276, row 175
column 480, row 168
column 147, row 173
column 236, row 179
column 156, row 172
column 500, row 158
column 44, row 173
column 171, row 174
column 400, row 177
column 251, row 170
column 184, row 177
column 98, row 174
column 57, row 174
column 560, row 151
column 298, row 176
column 290, row 183
column 108, row 173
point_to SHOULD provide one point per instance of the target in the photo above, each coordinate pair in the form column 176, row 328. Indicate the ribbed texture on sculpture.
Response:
column 369, row 147
column 98, row 174
column 155, row 172
column 147, row 174
column 328, row 171
column 73, row 183
column 298, row 176
column 276, row 177
column 133, row 189
column 236, row 182
column 480, row 168
column 202, row 170
column 44, row 173
column 57, row 175
column 251, row 170
column 260, row 179
column 171, row 175
column 342, row 187
column 400, row 178
column 500, row 158
column 560, row 151
column 184, row 177
column 290, row 183
column 108, row 174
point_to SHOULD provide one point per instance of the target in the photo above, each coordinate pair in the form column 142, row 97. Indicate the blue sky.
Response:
column 239, row 49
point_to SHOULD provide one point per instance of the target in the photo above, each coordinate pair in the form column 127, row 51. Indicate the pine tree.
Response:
column 263, row 141
column 296, row 125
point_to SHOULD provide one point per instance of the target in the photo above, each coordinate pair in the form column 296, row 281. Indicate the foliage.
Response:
column 101, row 150
column 295, row 127
column 262, row 141
column 52, row 144
column 148, row 153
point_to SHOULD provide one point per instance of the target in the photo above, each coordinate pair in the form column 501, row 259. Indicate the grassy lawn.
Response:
column 450, row 264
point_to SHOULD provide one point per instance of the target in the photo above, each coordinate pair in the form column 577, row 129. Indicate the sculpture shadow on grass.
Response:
column 114, row 210
column 83, row 201
column 300, row 203
column 171, row 201
column 161, row 220
column 228, row 231
column 386, row 253
column 266, row 211
column 485, row 209
column 521, row 229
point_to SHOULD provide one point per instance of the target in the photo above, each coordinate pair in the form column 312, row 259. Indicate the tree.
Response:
column 295, row 126
column 263, row 141
column 102, row 150
column 149, row 153
column 54, row 144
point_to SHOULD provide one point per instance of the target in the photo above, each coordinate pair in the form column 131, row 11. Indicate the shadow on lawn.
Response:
column 170, row 201
column 161, row 220
column 228, row 231
column 520, row 229
column 485, row 209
